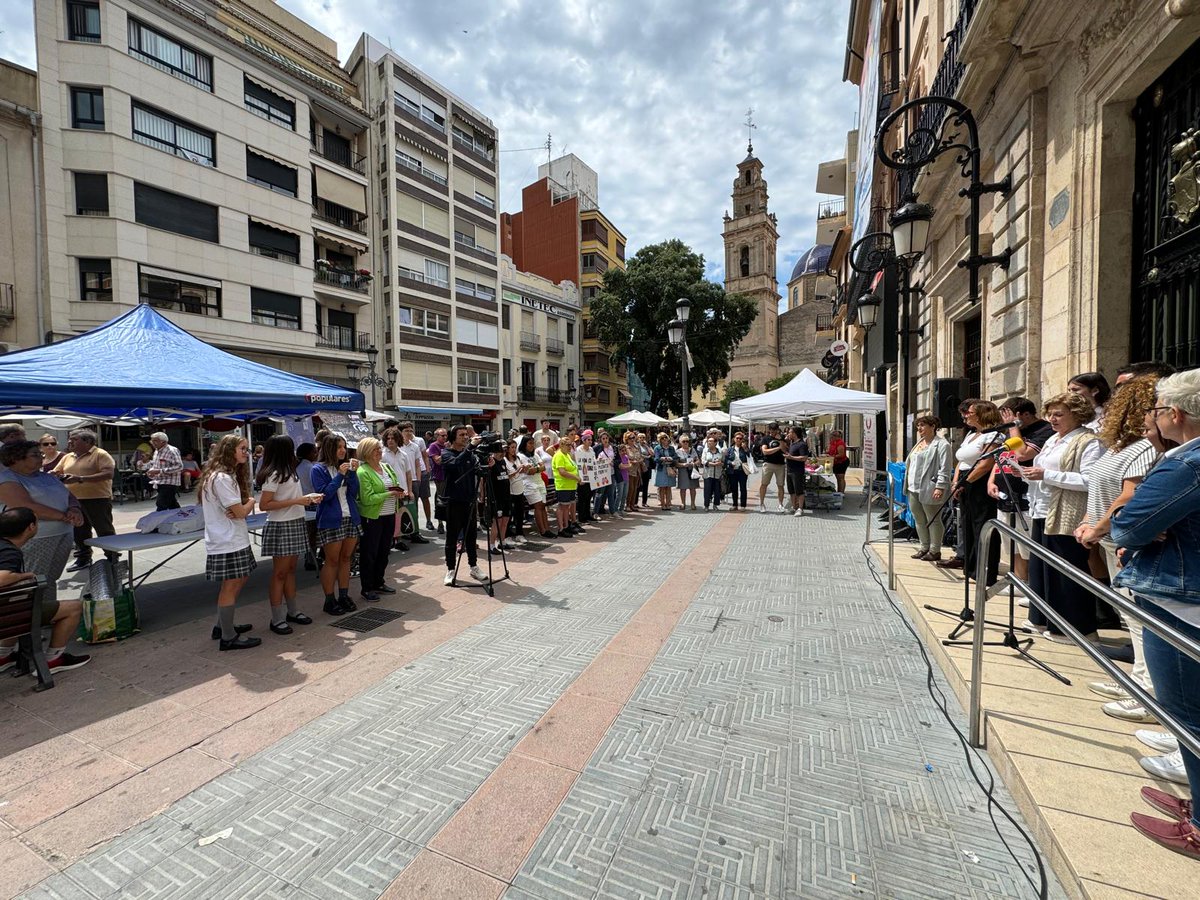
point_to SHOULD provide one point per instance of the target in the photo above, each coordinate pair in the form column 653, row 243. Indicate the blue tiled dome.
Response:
column 812, row 261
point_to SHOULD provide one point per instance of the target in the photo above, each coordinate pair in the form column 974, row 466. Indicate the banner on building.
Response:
column 868, row 121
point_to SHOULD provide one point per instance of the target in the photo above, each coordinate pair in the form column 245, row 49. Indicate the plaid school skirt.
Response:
column 224, row 566
column 332, row 535
column 287, row 538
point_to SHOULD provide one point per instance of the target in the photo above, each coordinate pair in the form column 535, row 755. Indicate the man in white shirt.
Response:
column 414, row 452
column 545, row 431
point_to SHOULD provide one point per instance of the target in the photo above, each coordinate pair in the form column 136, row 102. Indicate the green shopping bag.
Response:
column 110, row 619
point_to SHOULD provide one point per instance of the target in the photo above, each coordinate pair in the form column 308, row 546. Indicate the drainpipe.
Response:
column 35, row 119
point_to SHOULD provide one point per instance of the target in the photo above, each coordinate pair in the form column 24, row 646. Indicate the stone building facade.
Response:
column 22, row 252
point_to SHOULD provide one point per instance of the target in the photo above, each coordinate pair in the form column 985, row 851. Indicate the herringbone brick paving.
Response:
column 756, row 758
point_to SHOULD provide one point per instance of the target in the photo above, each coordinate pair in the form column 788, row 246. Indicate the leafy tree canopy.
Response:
column 736, row 390
column 631, row 313
column 781, row 380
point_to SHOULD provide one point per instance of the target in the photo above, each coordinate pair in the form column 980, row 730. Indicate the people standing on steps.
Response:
column 927, row 472
column 225, row 497
column 285, row 536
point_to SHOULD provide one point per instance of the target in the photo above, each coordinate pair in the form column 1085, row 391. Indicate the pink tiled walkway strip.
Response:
column 154, row 718
column 480, row 850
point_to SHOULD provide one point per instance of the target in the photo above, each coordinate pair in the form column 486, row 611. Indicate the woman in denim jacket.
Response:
column 1158, row 532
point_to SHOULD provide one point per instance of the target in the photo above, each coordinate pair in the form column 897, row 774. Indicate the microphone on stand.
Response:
column 1013, row 443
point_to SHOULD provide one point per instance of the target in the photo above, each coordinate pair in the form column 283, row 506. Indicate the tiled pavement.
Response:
column 775, row 747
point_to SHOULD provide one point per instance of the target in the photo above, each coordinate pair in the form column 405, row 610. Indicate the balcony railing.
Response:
column 889, row 78
column 945, row 84
column 347, row 279
column 338, row 153
column 825, row 322
column 468, row 242
column 8, row 307
column 471, row 147
column 555, row 346
column 339, row 337
column 831, row 209
column 530, row 341
column 421, row 170
column 327, row 211
column 545, row 396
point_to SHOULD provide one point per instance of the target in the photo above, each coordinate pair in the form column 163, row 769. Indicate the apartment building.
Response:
column 435, row 167
column 207, row 158
column 561, row 234
column 539, row 348
column 21, row 258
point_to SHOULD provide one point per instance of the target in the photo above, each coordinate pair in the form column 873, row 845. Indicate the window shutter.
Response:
column 264, row 169
column 274, row 238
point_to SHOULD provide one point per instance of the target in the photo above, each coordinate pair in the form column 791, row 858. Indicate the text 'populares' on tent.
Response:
column 141, row 365
column 807, row 395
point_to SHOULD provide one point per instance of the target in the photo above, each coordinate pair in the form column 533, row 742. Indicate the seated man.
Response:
column 190, row 471
column 18, row 526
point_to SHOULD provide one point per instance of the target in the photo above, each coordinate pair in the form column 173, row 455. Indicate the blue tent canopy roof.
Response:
column 142, row 365
column 813, row 261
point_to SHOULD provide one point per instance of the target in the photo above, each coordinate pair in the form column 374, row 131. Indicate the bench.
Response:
column 21, row 618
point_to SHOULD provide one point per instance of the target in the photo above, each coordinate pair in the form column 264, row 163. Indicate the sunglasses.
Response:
column 49, row 443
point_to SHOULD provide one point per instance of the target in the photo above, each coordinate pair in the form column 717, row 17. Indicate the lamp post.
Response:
column 677, row 334
column 371, row 379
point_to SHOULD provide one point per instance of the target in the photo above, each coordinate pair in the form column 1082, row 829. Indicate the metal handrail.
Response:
column 1167, row 632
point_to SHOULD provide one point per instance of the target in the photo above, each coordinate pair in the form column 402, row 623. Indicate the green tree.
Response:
column 736, row 390
column 631, row 313
column 781, row 380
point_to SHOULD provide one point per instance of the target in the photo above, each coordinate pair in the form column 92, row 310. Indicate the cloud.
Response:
column 650, row 95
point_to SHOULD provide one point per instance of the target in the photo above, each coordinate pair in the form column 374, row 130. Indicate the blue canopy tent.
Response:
column 143, row 366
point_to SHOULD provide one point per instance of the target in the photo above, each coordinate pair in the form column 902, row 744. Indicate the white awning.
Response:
column 339, row 190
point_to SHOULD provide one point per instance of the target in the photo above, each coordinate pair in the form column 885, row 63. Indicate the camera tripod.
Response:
column 481, row 471
column 967, row 616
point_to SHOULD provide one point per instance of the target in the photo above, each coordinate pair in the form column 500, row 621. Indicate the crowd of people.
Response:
column 1107, row 479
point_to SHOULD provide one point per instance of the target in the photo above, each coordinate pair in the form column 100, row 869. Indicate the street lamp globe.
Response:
column 392, row 372
column 868, row 310
column 372, row 355
column 683, row 309
column 910, row 229
column 352, row 369
column 675, row 331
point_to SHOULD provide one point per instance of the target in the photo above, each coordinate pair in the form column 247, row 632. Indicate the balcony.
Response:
column 889, row 79
column 339, row 337
column 824, row 322
column 418, row 169
column 831, row 209
column 466, row 242
column 544, row 396
column 342, row 216
column 8, row 309
column 347, row 279
column 338, row 153
column 531, row 341
column 468, row 146
column 555, row 347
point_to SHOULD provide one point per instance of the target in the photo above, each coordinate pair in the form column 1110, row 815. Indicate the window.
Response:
column 268, row 173
column 506, row 366
column 744, row 256
column 475, row 382
column 95, row 279
column 273, row 308
column 174, row 212
column 505, row 322
column 466, row 238
column 274, row 243
column 485, row 200
column 590, row 292
column 182, row 293
column 91, row 194
column 421, row 106
column 83, row 21
column 87, row 108
column 594, row 262
column 477, row 334
column 420, row 166
column 269, row 105
column 469, row 141
column 621, row 250
column 168, row 54
column 570, row 332
column 422, row 321
column 437, row 273
column 605, row 394
column 165, row 132
column 570, row 379
column 589, row 260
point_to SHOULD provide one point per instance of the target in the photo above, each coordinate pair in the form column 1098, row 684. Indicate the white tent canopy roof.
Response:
column 807, row 395
column 711, row 418
column 633, row 417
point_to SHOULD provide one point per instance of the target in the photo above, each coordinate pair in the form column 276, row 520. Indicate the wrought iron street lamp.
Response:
column 372, row 379
column 677, row 334
column 933, row 136
column 868, row 311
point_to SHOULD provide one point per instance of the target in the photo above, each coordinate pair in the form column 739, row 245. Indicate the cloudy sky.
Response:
column 652, row 95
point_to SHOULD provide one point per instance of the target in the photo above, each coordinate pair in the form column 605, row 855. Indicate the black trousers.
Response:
column 517, row 523
column 644, row 487
column 975, row 509
column 167, row 497
column 737, row 486
column 459, row 521
column 97, row 516
column 712, row 491
column 583, row 506
column 373, row 550
column 1064, row 596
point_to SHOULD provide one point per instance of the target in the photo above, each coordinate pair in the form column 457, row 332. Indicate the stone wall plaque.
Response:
column 1059, row 207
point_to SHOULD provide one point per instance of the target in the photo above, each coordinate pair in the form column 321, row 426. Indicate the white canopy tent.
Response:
column 633, row 417
column 711, row 418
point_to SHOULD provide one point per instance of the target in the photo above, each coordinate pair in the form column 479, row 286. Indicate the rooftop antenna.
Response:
column 548, row 146
column 750, row 126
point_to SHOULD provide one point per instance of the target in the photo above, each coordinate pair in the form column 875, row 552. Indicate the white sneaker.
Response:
column 1168, row 768
column 1130, row 710
column 763, row 508
column 478, row 574
column 449, row 579
column 1023, row 601
column 798, row 514
column 782, row 510
column 520, row 541
column 508, row 545
column 1109, row 689
column 1162, row 741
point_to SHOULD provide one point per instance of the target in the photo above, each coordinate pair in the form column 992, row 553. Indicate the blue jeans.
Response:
column 1176, row 678
column 620, row 493
column 600, row 496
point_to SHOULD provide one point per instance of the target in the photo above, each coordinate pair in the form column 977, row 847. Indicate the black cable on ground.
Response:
column 939, row 700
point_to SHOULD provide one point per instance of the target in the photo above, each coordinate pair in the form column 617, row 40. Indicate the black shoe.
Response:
column 80, row 563
column 402, row 547
column 240, row 629
column 370, row 596
column 580, row 529
column 299, row 619
column 240, row 643
column 441, row 528
column 281, row 628
column 386, row 588
column 549, row 534
column 348, row 605
column 309, row 564
column 418, row 539
column 333, row 608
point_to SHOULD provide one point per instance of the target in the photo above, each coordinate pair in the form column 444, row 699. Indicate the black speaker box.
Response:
column 947, row 394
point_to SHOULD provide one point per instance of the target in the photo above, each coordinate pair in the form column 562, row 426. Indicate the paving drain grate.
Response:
column 367, row 620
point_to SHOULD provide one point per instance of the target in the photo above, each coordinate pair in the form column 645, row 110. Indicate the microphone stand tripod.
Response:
column 1010, row 640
